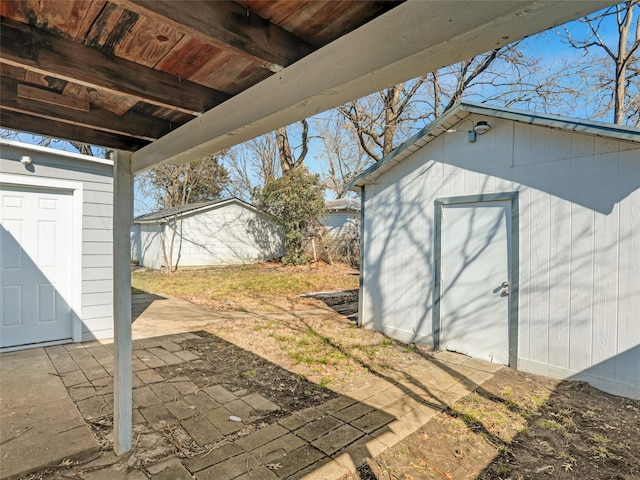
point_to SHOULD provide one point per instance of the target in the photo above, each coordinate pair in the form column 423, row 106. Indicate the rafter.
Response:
column 40, row 52
column 131, row 124
column 228, row 26
column 54, row 128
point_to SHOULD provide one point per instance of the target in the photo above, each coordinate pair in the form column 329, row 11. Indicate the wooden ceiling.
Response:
column 124, row 73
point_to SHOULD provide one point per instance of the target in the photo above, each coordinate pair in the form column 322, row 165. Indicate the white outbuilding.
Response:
column 512, row 237
column 342, row 217
column 56, row 246
column 219, row 232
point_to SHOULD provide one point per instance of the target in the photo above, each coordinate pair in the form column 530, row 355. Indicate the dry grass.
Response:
column 262, row 287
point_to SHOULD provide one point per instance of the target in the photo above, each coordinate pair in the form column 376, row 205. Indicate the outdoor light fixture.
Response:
column 481, row 127
column 25, row 159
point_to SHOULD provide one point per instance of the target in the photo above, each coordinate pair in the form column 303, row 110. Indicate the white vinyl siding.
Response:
column 147, row 244
column 579, row 198
column 340, row 223
column 97, row 218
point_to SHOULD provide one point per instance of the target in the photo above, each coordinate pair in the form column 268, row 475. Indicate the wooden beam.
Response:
column 122, row 342
column 37, row 51
column 51, row 98
column 228, row 26
column 131, row 124
column 412, row 39
column 52, row 128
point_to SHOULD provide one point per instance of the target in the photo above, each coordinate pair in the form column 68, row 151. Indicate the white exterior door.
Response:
column 474, row 304
column 35, row 265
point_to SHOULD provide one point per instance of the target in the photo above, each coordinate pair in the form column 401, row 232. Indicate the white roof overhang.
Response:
column 414, row 38
column 463, row 109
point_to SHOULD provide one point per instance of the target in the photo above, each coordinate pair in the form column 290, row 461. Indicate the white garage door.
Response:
column 35, row 265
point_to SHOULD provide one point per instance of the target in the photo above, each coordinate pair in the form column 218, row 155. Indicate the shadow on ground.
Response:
column 140, row 301
column 188, row 386
column 206, row 408
column 344, row 302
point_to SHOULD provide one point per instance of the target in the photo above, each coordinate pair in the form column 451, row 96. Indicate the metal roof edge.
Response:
column 357, row 182
column 619, row 132
column 210, row 206
column 612, row 130
column 55, row 151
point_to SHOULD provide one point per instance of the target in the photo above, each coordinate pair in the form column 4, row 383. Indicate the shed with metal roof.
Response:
column 509, row 236
column 219, row 232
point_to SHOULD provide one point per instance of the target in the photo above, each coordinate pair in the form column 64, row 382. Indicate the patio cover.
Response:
column 169, row 81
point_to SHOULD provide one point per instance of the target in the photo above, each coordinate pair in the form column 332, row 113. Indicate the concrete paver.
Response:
column 321, row 442
column 261, row 437
column 337, row 439
column 198, row 463
column 201, row 430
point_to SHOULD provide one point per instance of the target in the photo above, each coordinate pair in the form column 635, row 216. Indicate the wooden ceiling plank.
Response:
column 275, row 12
column 102, row 27
column 67, row 131
column 187, row 57
column 62, row 18
column 131, row 124
column 47, row 96
column 89, row 18
column 37, row 51
column 228, row 26
column 146, row 41
column 117, row 104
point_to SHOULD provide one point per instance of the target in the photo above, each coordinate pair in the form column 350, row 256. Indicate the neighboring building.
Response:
column 56, row 270
column 519, row 244
column 342, row 217
column 221, row 232
column 342, row 223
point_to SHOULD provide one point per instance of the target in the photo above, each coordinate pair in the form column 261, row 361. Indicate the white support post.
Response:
column 122, row 373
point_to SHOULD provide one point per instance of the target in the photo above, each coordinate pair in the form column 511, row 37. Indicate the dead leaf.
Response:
column 273, row 466
column 567, row 467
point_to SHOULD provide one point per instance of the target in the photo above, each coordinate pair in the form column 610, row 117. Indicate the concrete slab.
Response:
column 40, row 424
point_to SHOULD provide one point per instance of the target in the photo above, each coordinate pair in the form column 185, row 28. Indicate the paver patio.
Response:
column 57, row 404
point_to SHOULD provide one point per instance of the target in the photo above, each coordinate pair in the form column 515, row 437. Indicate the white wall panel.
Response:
column 229, row 235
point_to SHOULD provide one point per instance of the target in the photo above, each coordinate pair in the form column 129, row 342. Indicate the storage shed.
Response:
column 342, row 217
column 56, row 267
column 512, row 237
column 220, row 232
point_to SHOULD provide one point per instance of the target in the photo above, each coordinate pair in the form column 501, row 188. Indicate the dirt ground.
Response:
column 518, row 427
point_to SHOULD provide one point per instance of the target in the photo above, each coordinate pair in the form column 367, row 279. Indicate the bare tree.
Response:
column 383, row 120
column 288, row 159
column 44, row 141
column 622, row 87
column 342, row 155
column 252, row 164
